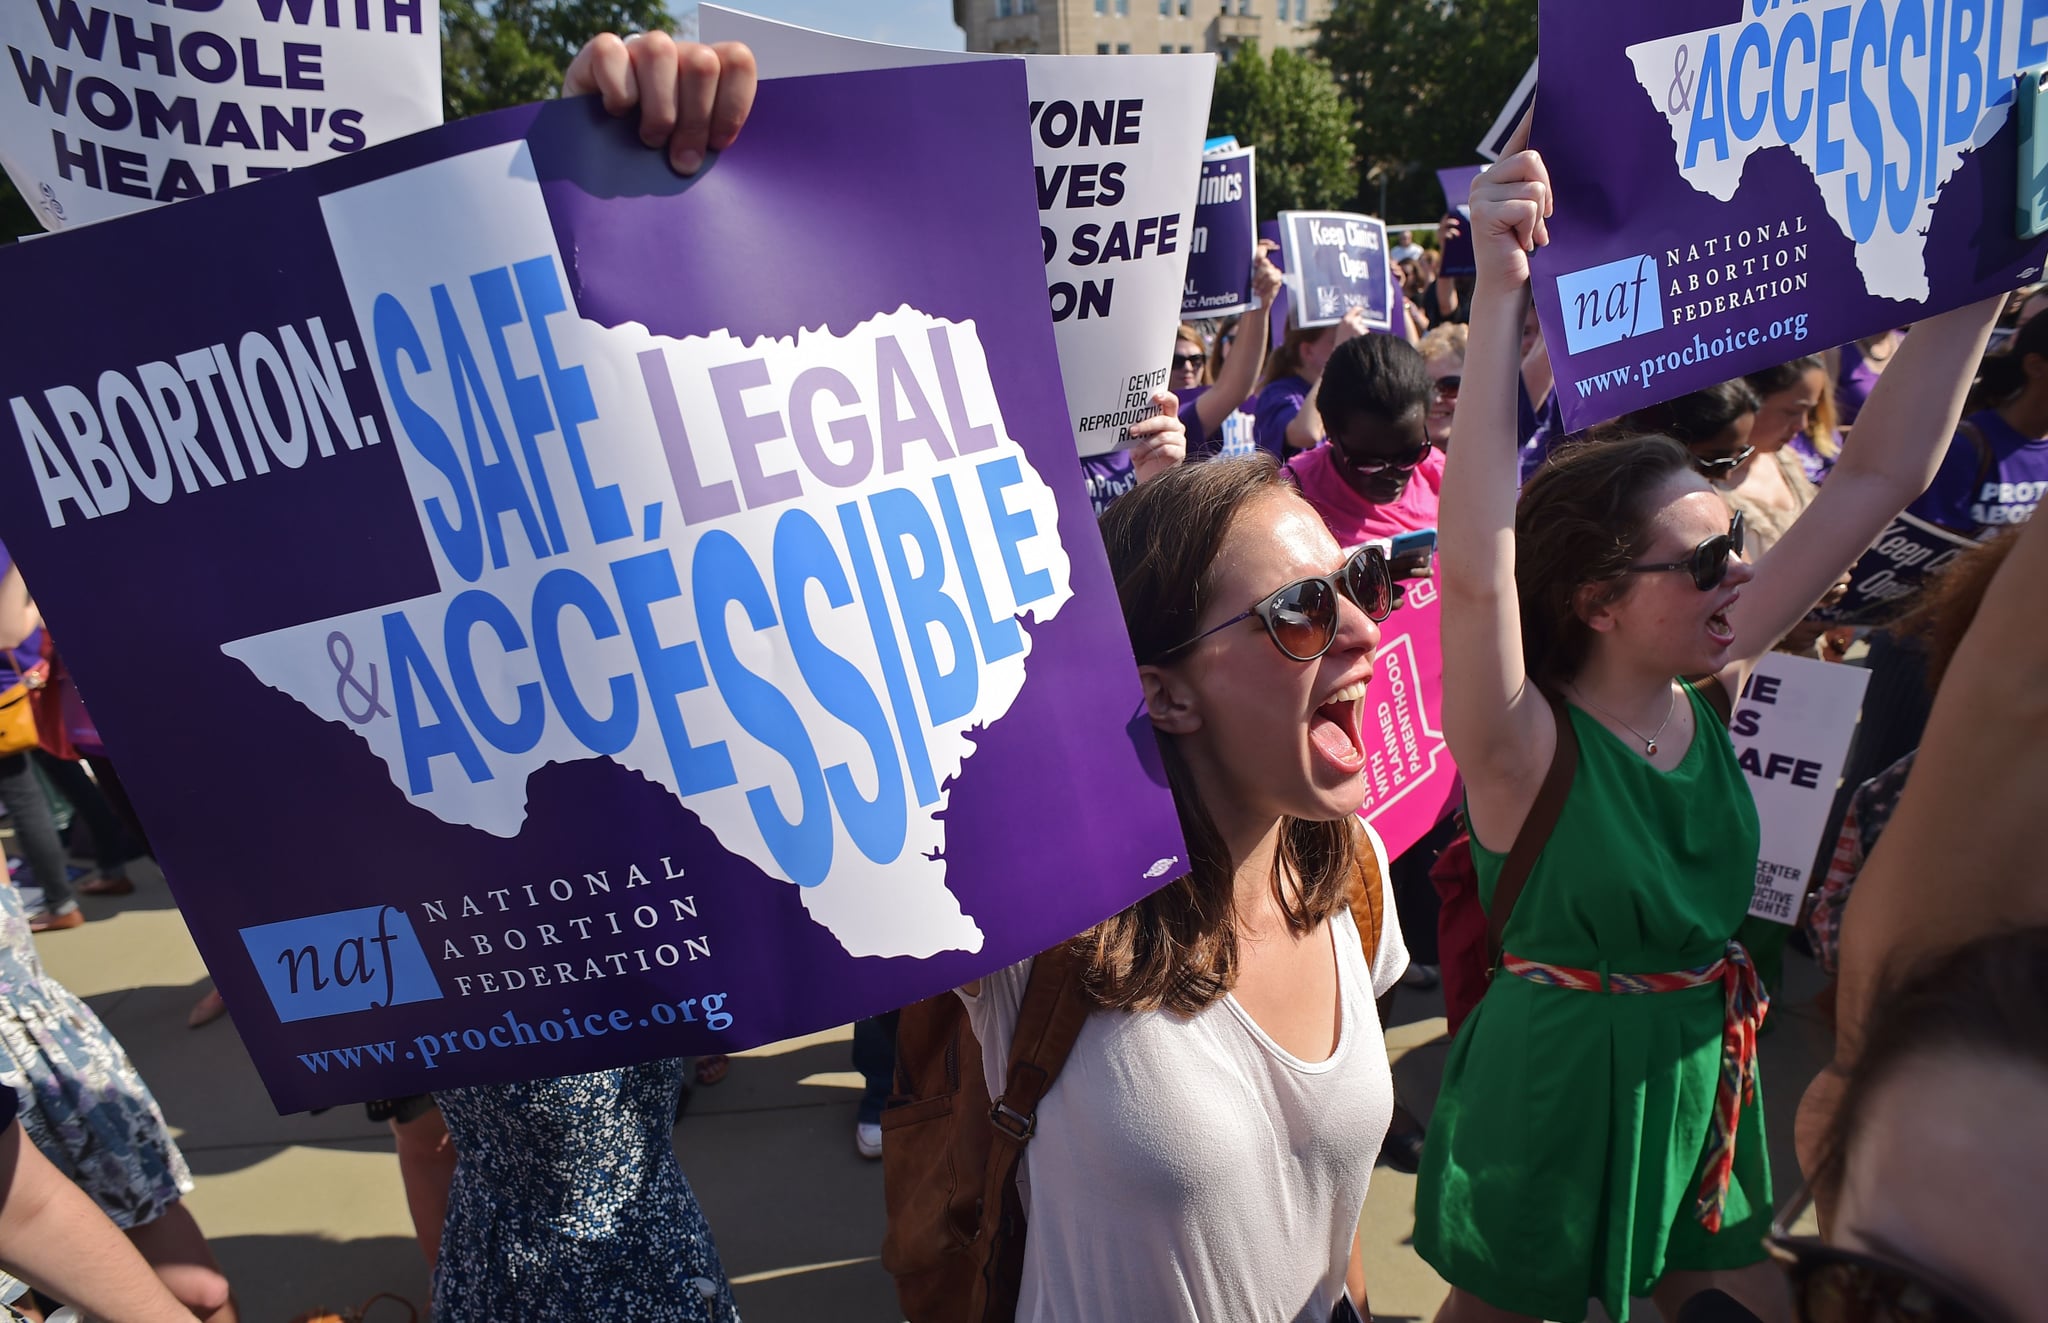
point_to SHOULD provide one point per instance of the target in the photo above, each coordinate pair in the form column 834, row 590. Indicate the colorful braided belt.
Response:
column 1747, row 1004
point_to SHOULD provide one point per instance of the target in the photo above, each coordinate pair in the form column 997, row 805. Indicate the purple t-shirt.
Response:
column 1274, row 411
column 31, row 649
column 1109, row 476
column 1980, row 493
column 1852, row 387
column 1816, row 464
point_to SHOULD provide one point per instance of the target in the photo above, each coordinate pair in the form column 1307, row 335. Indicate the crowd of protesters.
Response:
column 1207, row 1149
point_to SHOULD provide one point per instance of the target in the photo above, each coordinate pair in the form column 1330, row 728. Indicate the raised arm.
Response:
column 1901, row 436
column 1499, row 727
column 1247, row 350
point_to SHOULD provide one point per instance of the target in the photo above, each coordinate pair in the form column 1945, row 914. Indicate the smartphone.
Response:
column 1422, row 539
column 2032, row 194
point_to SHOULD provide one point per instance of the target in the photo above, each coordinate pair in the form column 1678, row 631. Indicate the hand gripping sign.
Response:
column 1116, row 150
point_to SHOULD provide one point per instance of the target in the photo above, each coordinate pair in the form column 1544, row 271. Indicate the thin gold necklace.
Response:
column 1649, row 741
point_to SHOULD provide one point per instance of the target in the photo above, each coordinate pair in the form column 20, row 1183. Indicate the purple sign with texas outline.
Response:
column 1739, row 184
column 551, row 614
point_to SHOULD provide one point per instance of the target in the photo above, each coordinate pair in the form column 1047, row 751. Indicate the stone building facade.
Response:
column 1136, row 27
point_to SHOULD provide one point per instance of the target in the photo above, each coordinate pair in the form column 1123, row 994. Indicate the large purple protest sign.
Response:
column 1277, row 318
column 1456, row 182
column 1336, row 262
column 1741, row 185
column 1116, row 146
column 1220, row 250
column 124, row 104
column 544, row 625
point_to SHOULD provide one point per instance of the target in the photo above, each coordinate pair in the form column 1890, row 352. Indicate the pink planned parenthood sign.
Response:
column 1411, row 784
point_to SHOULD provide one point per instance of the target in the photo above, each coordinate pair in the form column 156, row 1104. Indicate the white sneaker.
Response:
column 867, row 1138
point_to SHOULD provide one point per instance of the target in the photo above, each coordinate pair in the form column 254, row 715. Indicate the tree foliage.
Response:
column 498, row 53
column 1288, row 107
column 1425, row 79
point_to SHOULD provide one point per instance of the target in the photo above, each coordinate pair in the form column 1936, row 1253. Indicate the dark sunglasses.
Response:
column 1715, row 468
column 1831, row 1284
column 1708, row 563
column 1301, row 618
column 1365, row 468
column 1189, row 360
column 1446, row 388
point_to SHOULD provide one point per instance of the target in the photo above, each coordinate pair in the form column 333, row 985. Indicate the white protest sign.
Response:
column 1792, row 731
column 1118, row 146
column 1496, row 140
column 119, row 105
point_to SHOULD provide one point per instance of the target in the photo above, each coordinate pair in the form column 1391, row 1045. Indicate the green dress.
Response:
column 1567, row 1144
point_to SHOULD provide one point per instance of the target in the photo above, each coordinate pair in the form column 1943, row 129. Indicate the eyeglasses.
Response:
column 1365, row 468
column 1446, row 388
column 1301, row 618
column 1708, row 563
column 1715, row 468
column 1189, row 360
column 1831, row 1284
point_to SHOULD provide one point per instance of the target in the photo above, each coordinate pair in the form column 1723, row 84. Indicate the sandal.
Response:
column 104, row 885
column 46, row 922
column 357, row 1315
column 206, row 1010
column 710, row 1070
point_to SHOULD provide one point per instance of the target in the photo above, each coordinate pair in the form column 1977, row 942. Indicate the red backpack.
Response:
column 1468, row 934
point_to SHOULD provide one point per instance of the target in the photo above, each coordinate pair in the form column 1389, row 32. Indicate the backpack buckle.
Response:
column 1012, row 1122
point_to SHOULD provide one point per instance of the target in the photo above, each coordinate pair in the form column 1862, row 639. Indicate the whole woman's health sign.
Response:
column 1740, row 184
column 616, row 640
column 115, row 106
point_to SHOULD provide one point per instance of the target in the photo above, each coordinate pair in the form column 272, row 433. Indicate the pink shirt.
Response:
column 1351, row 518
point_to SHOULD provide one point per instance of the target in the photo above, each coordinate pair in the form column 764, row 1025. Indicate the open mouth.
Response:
column 1334, row 729
column 1718, row 627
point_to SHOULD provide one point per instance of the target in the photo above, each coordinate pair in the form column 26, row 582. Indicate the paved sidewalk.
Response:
column 307, row 1210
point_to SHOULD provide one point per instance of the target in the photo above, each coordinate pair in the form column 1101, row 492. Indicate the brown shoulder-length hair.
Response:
column 1582, row 519
column 1286, row 360
column 1177, row 948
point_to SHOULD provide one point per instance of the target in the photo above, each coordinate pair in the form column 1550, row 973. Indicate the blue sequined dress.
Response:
column 568, row 1202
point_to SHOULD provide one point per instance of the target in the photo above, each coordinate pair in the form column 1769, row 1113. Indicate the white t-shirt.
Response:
column 1187, row 1167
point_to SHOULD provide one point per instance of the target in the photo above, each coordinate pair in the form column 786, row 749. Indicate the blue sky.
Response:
column 905, row 22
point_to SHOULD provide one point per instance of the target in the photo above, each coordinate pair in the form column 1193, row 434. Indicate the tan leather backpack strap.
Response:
column 1536, row 829
column 1049, row 1019
column 1368, row 897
